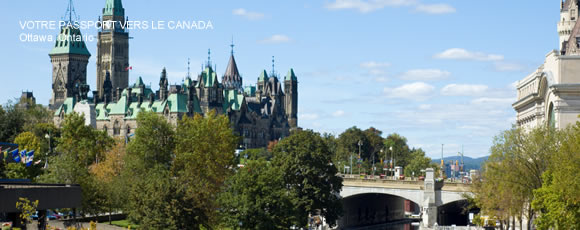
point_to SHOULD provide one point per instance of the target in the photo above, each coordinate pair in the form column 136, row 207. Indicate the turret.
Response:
column 163, row 84
column 291, row 98
column 262, row 81
column 568, row 17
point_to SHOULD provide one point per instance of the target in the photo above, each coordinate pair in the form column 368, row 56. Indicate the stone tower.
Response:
column 291, row 98
column 568, row 17
column 69, row 58
column 113, row 48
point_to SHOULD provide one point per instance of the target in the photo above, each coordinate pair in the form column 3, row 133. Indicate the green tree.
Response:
column 418, row 162
column 26, row 208
column 309, row 173
column 149, row 190
column 12, row 120
column 559, row 197
column 347, row 146
column 204, row 158
column 107, row 171
column 375, row 142
column 256, row 198
column 400, row 153
column 514, row 171
column 79, row 147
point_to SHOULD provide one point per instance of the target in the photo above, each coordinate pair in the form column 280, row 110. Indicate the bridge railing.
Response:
column 369, row 178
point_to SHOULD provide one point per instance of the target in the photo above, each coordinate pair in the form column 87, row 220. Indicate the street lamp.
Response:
column 47, row 136
column 391, row 162
column 359, row 157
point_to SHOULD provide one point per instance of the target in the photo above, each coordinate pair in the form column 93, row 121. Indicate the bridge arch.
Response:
column 413, row 195
column 448, row 197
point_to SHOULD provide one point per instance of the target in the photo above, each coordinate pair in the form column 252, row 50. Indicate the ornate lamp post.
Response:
column 47, row 136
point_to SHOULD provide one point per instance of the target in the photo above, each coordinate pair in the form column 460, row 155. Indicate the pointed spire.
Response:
column 232, row 78
column 188, row 70
column 273, row 69
column 208, row 64
column 232, row 45
column 114, row 7
column 70, row 11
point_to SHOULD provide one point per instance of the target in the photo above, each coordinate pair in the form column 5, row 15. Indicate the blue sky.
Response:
column 437, row 72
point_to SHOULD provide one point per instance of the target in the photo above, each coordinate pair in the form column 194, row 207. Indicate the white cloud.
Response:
column 508, row 67
column 374, row 65
column 277, row 38
column 309, row 116
column 377, row 72
column 366, row 6
column 491, row 101
column 412, row 91
column 425, row 75
column 338, row 113
column 424, row 106
column 463, row 54
column 248, row 14
column 463, row 90
column 435, row 8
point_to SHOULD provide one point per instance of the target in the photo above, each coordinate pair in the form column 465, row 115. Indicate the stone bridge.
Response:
column 428, row 195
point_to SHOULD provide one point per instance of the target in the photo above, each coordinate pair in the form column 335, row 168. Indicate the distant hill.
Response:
column 470, row 163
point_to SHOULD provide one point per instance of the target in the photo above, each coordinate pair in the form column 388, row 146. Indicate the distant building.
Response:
column 27, row 99
column 259, row 114
column 551, row 94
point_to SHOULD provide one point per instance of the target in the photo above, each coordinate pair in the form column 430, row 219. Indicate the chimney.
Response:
column 118, row 95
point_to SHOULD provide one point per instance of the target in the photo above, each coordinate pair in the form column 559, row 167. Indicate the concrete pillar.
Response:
column 429, row 206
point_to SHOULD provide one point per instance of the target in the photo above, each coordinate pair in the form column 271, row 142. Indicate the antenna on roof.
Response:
column 232, row 45
column 70, row 10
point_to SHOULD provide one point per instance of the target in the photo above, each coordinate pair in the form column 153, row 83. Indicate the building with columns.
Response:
column 551, row 94
column 258, row 114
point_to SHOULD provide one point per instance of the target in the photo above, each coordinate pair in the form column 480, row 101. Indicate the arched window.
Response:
column 116, row 129
column 128, row 129
column 105, row 129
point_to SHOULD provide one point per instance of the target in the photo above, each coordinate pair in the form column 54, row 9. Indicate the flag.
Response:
column 129, row 68
column 22, row 156
column 29, row 158
column 15, row 155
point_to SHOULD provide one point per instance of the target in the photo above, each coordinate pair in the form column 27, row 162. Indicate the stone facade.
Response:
column 551, row 95
column 69, row 59
column 112, row 49
column 258, row 114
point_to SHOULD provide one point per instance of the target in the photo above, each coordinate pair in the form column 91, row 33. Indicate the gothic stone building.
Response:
column 551, row 94
column 258, row 114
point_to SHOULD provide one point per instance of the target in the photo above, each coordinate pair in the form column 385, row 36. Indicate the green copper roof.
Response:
column 121, row 107
column 208, row 77
column 233, row 99
column 263, row 76
column 290, row 76
column 70, row 41
column 113, row 7
column 250, row 91
column 139, row 82
column 67, row 107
